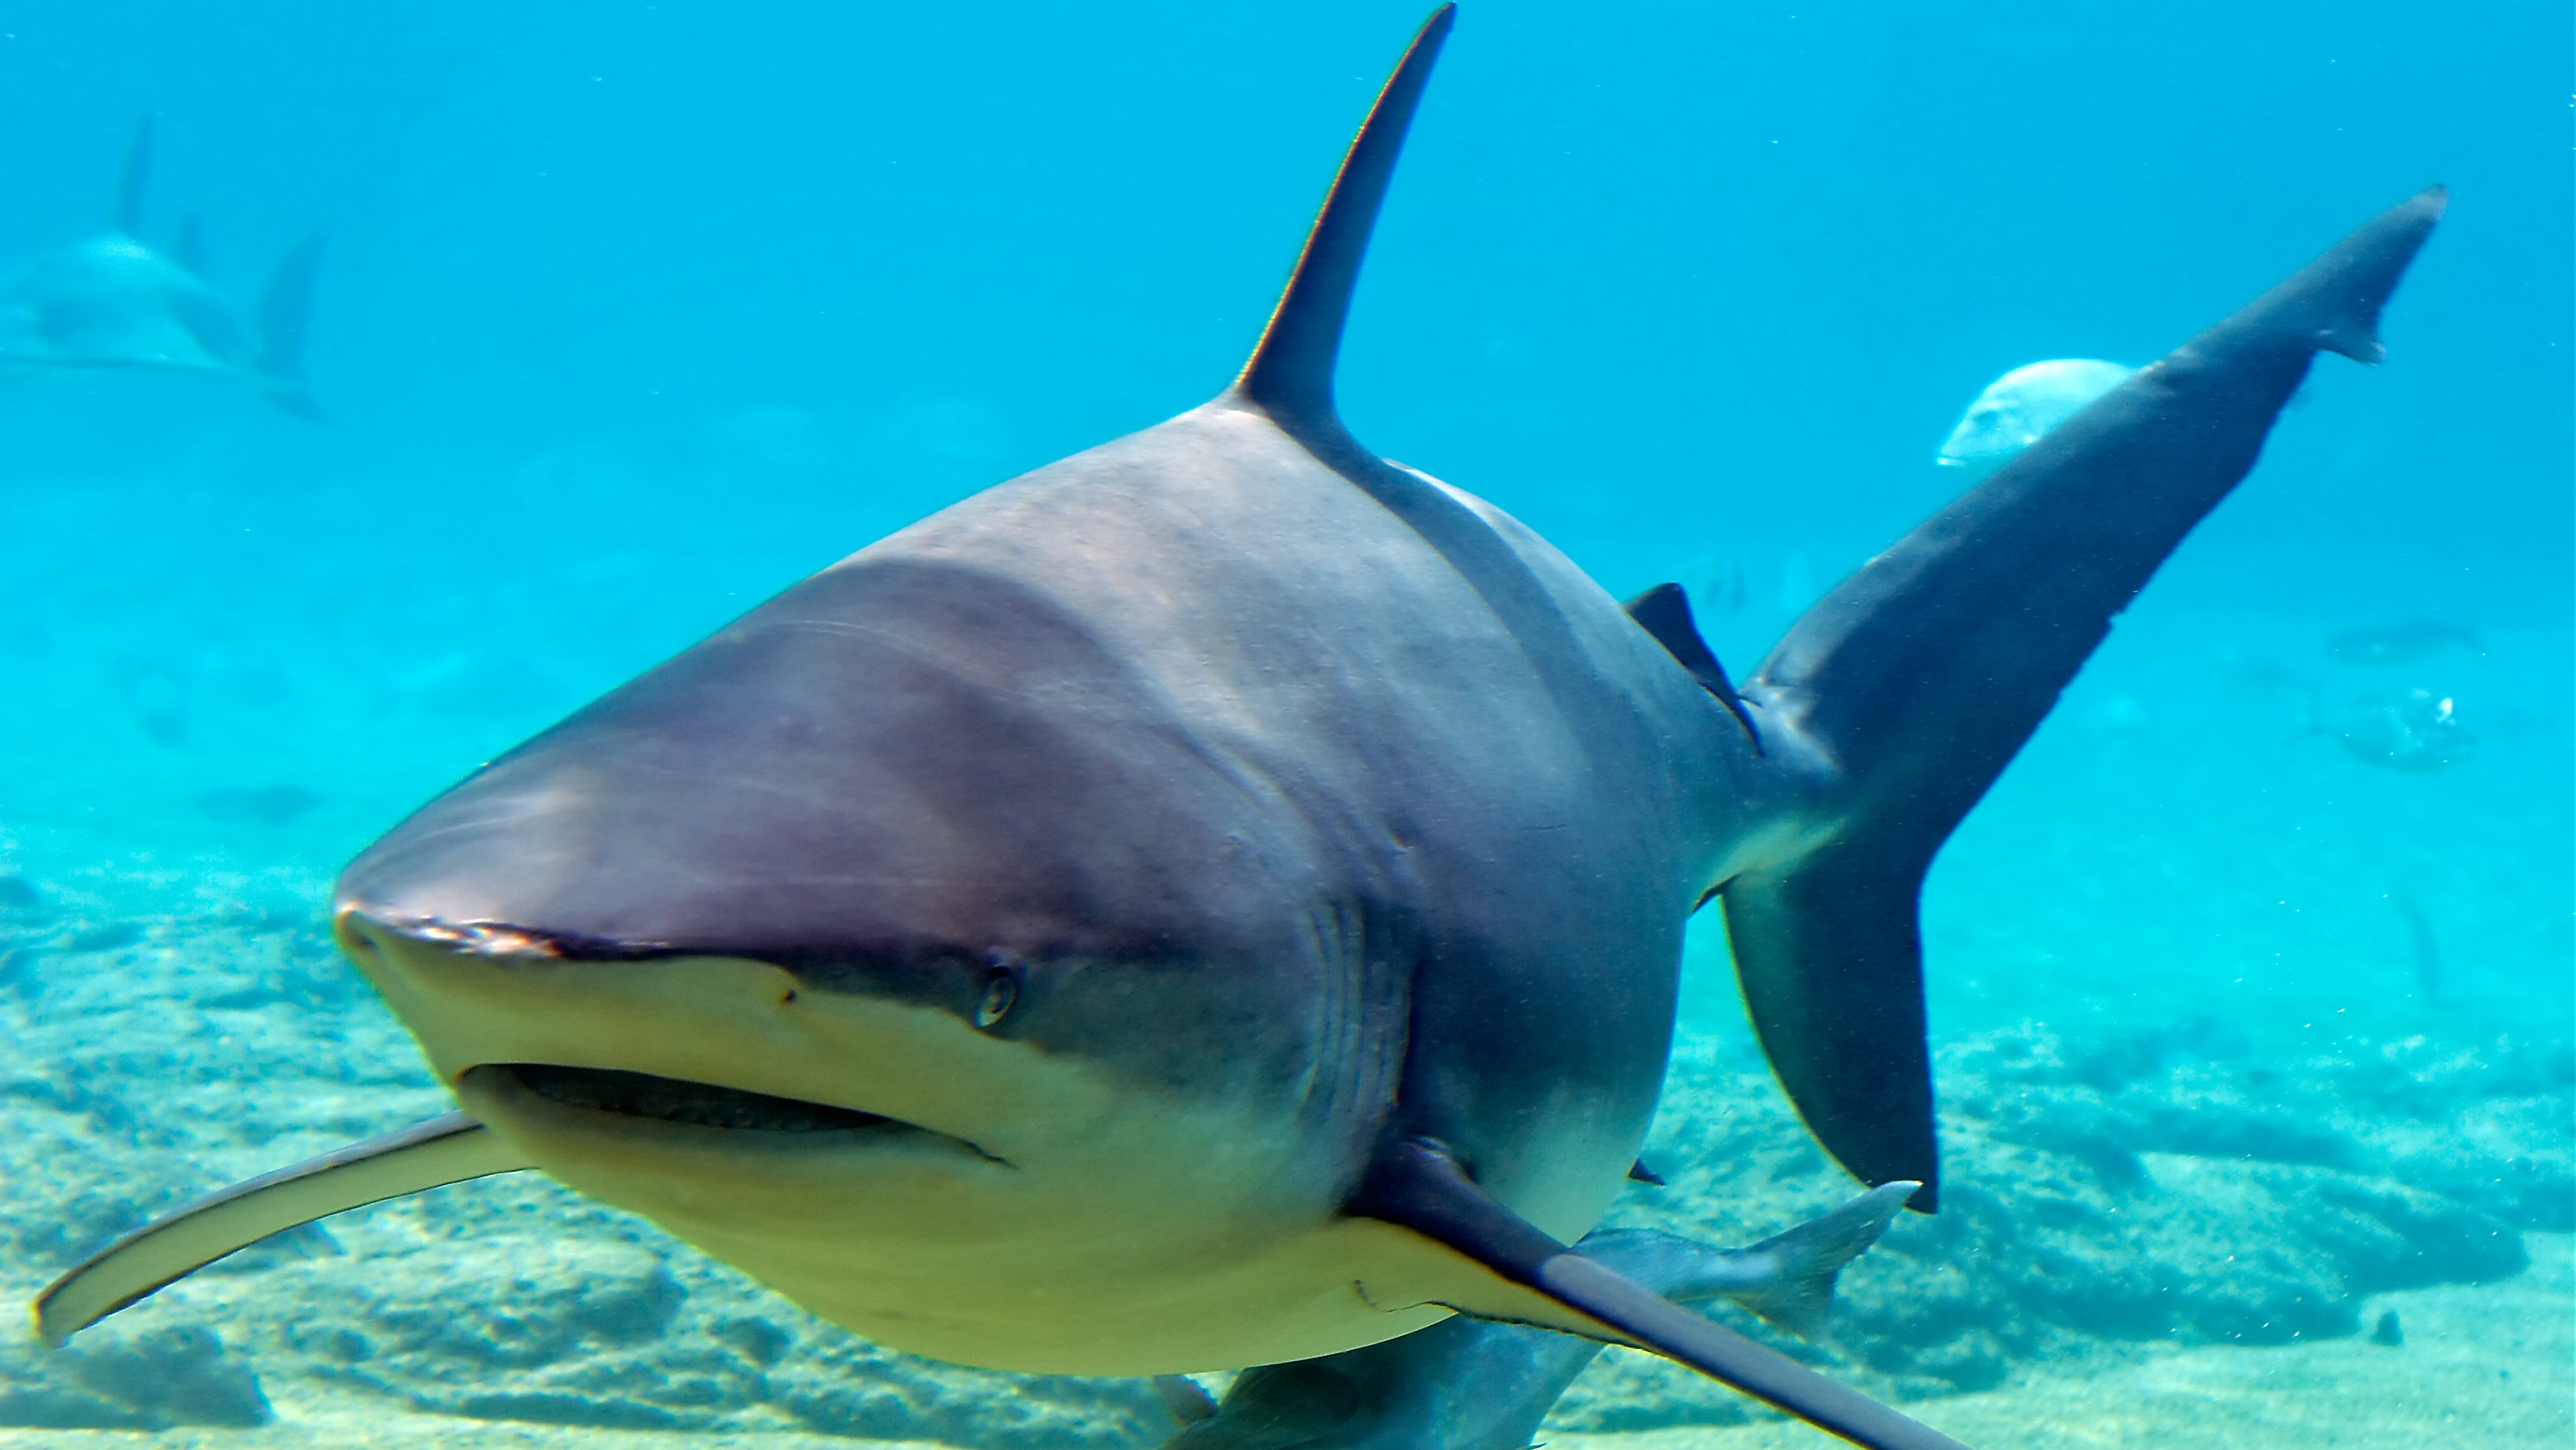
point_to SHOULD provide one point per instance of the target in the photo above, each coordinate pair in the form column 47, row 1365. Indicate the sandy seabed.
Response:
column 2488, row 1366
column 2491, row 1366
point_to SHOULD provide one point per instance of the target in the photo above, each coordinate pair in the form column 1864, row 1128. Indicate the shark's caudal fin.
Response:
column 1921, row 675
column 285, row 307
column 1419, row 1186
column 138, row 175
column 1290, row 375
column 446, row 1149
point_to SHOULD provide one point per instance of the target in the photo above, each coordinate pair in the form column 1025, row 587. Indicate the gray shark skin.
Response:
column 1217, row 899
column 1468, row 1385
column 115, row 302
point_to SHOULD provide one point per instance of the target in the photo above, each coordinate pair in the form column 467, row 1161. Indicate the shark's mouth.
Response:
column 676, row 1100
column 640, row 1100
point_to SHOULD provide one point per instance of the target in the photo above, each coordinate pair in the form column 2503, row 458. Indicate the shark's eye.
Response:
column 1001, row 989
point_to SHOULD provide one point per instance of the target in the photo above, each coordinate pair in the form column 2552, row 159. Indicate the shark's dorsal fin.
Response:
column 1290, row 375
column 138, row 172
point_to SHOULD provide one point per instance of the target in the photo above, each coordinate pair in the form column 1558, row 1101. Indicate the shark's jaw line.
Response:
column 619, row 1100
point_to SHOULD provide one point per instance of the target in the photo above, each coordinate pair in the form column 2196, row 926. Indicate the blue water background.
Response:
column 633, row 314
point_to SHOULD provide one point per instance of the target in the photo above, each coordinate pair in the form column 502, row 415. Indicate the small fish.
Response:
column 2402, row 643
column 2412, row 730
column 156, row 692
column 2015, row 409
column 2427, row 947
column 115, row 302
column 1718, row 584
column 271, row 805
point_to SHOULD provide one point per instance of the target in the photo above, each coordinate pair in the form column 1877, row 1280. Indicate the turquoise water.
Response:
column 632, row 315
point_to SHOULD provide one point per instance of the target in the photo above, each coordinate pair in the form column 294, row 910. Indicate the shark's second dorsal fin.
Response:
column 1664, row 613
column 138, row 171
column 1290, row 375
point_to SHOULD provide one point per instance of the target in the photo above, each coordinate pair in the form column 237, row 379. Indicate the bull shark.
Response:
column 1218, row 899
column 115, row 301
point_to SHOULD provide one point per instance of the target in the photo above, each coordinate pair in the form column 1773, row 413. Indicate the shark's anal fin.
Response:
column 445, row 1149
column 1664, row 612
column 1420, row 1186
column 1290, row 375
column 1919, row 677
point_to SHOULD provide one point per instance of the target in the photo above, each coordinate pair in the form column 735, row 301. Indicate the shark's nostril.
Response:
column 357, row 937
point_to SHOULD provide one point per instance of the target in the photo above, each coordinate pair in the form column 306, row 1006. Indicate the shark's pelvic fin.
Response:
column 285, row 306
column 138, row 175
column 446, row 1149
column 1290, row 375
column 1419, row 1186
column 1811, row 1257
column 1922, row 674
column 1186, row 1398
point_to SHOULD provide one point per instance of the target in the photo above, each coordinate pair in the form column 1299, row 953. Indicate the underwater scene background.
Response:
column 2255, row 1050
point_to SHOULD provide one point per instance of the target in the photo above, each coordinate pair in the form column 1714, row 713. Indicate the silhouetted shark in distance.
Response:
column 115, row 302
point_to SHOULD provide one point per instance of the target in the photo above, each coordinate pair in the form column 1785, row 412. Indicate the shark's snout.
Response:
column 546, row 1039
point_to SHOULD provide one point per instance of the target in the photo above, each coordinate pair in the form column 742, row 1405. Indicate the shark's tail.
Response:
column 1918, row 678
column 285, row 307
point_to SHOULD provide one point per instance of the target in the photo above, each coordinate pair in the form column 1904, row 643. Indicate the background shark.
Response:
column 115, row 302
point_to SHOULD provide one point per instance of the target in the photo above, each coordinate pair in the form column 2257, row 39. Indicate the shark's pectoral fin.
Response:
column 1418, row 1185
column 446, row 1149
column 1831, row 961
